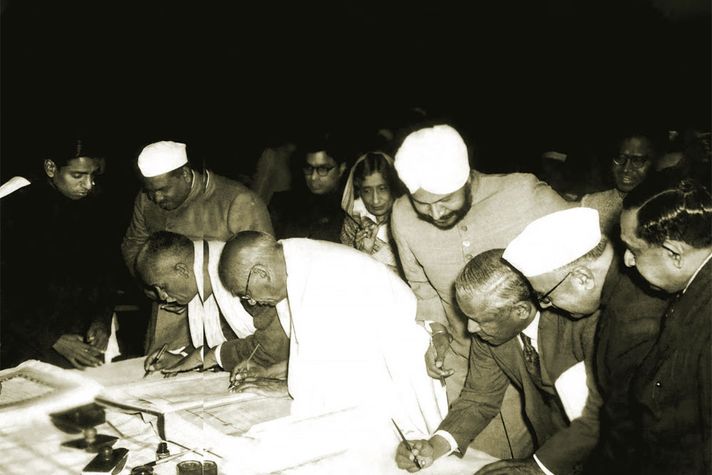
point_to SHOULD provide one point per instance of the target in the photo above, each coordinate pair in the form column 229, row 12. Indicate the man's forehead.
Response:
column 318, row 159
column 82, row 165
column 425, row 197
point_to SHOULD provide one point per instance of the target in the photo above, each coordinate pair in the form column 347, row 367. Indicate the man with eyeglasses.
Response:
column 185, row 272
column 633, row 160
column 354, row 341
column 545, row 355
column 589, row 282
column 312, row 209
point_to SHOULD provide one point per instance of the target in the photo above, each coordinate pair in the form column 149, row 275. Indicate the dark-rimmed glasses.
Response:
column 545, row 300
column 638, row 161
column 246, row 294
column 321, row 171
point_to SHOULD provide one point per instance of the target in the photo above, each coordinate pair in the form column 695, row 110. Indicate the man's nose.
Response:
column 436, row 211
column 377, row 198
column 87, row 183
column 473, row 327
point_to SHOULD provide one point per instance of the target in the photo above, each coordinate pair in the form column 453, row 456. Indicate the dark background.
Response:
column 516, row 77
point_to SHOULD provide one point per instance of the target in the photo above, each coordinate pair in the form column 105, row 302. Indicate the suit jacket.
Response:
column 562, row 343
column 628, row 326
column 672, row 389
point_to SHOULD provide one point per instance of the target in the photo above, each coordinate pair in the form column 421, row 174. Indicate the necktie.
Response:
column 531, row 358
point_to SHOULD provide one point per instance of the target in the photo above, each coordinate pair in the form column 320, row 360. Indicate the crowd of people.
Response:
column 561, row 332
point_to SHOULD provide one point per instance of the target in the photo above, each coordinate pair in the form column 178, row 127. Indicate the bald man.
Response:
column 353, row 336
column 178, row 270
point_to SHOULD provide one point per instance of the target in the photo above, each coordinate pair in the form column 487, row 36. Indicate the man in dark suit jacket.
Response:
column 513, row 342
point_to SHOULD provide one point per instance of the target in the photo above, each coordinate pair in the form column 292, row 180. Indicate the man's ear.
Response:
column 262, row 271
column 183, row 270
column 522, row 309
column 583, row 277
column 675, row 251
column 187, row 174
column 50, row 168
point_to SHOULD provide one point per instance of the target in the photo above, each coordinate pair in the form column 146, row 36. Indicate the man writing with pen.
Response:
column 546, row 356
column 183, row 273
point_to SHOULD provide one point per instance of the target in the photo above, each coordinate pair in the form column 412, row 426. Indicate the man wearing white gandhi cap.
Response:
column 451, row 214
column 573, row 267
column 197, row 204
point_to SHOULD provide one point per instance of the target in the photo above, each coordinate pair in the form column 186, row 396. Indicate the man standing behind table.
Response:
column 451, row 214
column 57, row 292
column 199, row 205
column 543, row 354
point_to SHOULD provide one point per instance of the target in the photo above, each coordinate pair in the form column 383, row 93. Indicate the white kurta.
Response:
column 204, row 314
column 353, row 338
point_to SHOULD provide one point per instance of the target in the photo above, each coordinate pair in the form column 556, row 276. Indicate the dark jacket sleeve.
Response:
column 480, row 399
column 273, row 342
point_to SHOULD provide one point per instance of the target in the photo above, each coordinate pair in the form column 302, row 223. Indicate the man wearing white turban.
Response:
column 451, row 214
column 198, row 205
column 573, row 267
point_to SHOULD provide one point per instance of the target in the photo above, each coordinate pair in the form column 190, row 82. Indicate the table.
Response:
column 243, row 433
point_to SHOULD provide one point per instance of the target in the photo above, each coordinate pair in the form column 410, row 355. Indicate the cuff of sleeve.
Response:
column 218, row 358
column 542, row 467
column 179, row 351
column 450, row 440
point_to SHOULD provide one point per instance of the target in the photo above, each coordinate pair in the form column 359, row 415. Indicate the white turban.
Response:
column 434, row 159
column 554, row 241
column 161, row 157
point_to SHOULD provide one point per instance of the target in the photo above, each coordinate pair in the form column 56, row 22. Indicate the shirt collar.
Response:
column 532, row 330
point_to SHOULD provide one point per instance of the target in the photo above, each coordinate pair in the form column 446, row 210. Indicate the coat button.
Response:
column 463, row 227
column 658, row 384
column 468, row 256
column 466, row 243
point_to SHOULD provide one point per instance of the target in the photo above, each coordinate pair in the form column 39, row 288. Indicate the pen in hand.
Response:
column 407, row 445
column 155, row 360
column 233, row 384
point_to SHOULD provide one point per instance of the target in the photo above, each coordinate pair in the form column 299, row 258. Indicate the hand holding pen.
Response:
column 152, row 360
column 241, row 370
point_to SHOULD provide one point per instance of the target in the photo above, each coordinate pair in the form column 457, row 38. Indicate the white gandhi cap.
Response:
column 161, row 157
column 433, row 159
column 554, row 241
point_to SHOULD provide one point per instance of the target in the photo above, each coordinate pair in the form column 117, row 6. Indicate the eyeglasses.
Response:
column 246, row 294
column 321, row 171
column 638, row 161
column 544, row 300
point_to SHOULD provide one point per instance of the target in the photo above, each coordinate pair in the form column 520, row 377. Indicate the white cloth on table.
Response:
column 353, row 338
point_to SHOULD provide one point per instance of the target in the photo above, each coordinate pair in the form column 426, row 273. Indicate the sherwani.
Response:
column 216, row 208
column 672, row 390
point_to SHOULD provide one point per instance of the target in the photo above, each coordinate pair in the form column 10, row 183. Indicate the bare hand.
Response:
column 98, row 335
column 526, row 466
column 421, row 449
column 435, row 356
column 268, row 387
column 365, row 238
column 247, row 369
column 77, row 352
column 166, row 361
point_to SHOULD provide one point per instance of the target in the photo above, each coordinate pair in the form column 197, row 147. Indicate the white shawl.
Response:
column 353, row 338
column 204, row 314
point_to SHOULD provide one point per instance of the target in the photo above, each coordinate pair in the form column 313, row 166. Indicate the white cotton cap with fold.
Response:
column 554, row 241
column 433, row 159
column 161, row 157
